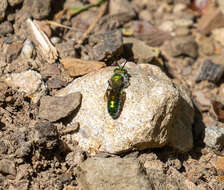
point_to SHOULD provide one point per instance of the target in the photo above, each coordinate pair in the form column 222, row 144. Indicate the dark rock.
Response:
column 7, row 167
column 106, row 45
column 113, row 21
column 55, row 108
column 3, row 7
column 6, row 28
column 214, row 137
column 55, row 83
column 39, row 9
column 66, row 49
column 112, row 173
column 181, row 46
column 210, row 71
column 45, row 135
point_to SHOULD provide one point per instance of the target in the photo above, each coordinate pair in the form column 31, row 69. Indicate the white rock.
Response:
column 218, row 35
column 214, row 137
column 55, row 40
column 28, row 82
column 155, row 112
column 27, row 50
column 168, row 26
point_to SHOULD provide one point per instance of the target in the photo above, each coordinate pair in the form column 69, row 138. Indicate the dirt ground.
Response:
column 187, row 37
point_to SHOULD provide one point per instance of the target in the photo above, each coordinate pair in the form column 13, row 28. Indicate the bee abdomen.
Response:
column 113, row 106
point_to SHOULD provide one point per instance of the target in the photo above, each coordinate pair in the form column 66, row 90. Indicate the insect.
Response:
column 115, row 94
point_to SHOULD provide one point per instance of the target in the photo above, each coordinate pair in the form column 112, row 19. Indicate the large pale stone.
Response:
column 112, row 174
column 155, row 112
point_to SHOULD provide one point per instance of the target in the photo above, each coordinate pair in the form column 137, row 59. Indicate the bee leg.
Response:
column 106, row 95
column 126, row 84
column 110, row 82
column 123, row 98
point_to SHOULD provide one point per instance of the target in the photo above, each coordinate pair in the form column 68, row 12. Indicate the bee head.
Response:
column 120, row 71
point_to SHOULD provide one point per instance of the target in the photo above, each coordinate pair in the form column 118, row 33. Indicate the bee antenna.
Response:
column 124, row 64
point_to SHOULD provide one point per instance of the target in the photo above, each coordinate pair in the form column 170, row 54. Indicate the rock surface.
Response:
column 112, row 173
column 155, row 112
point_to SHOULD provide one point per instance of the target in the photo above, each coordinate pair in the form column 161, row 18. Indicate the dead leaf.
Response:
column 78, row 67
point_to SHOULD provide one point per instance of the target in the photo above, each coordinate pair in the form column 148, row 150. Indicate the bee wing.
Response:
column 123, row 98
column 106, row 95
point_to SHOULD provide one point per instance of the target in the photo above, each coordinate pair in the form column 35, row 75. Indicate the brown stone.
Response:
column 77, row 67
column 213, row 18
column 53, row 108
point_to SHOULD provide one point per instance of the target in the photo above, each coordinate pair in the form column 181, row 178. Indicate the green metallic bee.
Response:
column 115, row 94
